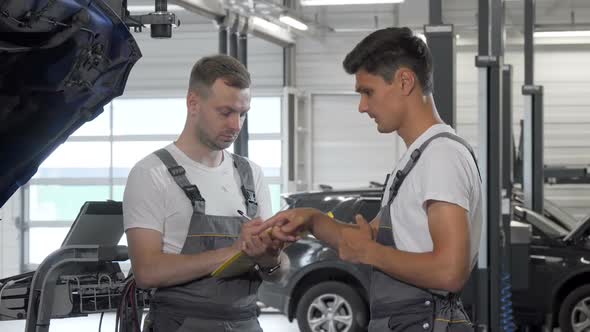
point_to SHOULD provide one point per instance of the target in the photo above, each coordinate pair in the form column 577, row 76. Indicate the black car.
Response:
column 325, row 293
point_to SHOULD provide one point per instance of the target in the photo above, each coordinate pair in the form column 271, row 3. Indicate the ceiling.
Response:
column 413, row 13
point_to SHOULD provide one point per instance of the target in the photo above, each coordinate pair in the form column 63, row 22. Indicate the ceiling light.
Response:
column 562, row 34
column 271, row 32
column 265, row 24
column 346, row 2
column 147, row 8
column 293, row 22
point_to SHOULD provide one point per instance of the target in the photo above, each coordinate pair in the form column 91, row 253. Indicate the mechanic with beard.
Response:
column 180, row 212
column 424, row 242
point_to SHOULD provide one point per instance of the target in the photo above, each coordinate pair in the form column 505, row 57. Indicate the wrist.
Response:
column 371, row 253
column 314, row 217
column 270, row 266
column 231, row 250
column 269, row 260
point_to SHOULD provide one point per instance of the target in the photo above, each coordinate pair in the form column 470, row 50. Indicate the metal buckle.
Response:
column 250, row 195
column 176, row 170
column 193, row 193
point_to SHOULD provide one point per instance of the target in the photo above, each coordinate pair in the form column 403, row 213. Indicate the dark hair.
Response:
column 384, row 51
column 211, row 68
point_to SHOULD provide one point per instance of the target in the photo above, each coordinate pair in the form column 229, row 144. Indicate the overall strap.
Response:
column 178, row 174
column 401, row 175
column 248, row 189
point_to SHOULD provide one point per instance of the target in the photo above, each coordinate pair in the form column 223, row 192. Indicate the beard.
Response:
column 211, row 142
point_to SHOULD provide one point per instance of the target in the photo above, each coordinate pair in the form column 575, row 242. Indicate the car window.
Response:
column 558, row 215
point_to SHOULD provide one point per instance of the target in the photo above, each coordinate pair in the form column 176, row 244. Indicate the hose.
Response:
column 506, row 317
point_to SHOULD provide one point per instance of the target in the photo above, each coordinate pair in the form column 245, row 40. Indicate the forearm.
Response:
column 327, row 229
column 164, row 270
column 427, row 270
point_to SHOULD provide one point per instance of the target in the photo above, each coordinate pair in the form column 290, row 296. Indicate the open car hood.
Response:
column 61, row 61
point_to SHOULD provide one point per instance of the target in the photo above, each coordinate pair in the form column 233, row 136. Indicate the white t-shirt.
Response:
column 445, row 172
column 153, row 200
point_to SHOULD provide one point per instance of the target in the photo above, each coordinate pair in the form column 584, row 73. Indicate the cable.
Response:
column 134, row 306
column 123, row 303
column 507, row 320
column 100, row 322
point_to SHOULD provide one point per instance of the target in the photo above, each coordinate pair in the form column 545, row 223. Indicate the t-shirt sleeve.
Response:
column 445, row 176
column 143, row 202
column 262, row 193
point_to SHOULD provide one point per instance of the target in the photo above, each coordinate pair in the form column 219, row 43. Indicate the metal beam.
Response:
column 507, row 185
column 238, row 48
column 483, row 31
column 435, row 12
column 529, row 49
column 222, row 28
column 441, row 42
column 533, row 179
column 490, row 64
column 212, row 9
column 507, row 132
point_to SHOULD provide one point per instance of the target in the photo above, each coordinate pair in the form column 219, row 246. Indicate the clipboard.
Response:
column 237, row 264
column 241, row 263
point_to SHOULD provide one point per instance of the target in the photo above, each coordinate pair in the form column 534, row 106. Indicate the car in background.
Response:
column 325, row 293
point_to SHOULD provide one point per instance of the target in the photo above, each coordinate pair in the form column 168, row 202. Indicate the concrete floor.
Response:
column 269, row 321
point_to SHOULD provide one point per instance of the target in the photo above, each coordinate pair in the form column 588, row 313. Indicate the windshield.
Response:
column 547, row 226
column 558, row 214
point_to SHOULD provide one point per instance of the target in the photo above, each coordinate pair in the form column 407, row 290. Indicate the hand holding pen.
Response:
column 253, row 243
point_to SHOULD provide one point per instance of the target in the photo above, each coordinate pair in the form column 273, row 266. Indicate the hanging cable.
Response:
column 507, row 319
column 100, row 322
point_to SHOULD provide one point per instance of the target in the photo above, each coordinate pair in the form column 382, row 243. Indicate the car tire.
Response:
column 574, row 310
column 331, row 302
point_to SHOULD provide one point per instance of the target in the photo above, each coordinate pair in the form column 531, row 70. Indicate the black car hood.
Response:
column 61, row 61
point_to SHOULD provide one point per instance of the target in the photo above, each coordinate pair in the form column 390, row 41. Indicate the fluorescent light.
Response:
column 293, row 22
column 562, row 34
column 271, row 32
column 147, row 8
column 265, row 24
column 345, row 2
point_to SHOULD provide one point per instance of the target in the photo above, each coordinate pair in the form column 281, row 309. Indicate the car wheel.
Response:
column 331, row 306
column 574, row 314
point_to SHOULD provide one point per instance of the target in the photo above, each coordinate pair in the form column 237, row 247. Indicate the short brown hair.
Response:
column 208, row 69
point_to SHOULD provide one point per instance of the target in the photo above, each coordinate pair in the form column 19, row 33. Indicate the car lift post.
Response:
column 533, row 164
column 490, row 63
column 238, row 48
column 441, row 42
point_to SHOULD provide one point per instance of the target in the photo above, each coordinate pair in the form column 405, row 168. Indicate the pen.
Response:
column 241, row 213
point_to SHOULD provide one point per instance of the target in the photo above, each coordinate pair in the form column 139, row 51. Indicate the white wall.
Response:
column 165, row 66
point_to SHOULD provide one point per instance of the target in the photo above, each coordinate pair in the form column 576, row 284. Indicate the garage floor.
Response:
column 270, row 322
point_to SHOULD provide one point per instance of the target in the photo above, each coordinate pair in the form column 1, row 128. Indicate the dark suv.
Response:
column 325, row 293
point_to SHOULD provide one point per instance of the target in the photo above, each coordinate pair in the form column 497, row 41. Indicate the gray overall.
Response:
column 401, row 307
column 209, row 304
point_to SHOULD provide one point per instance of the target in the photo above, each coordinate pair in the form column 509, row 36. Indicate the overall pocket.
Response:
column 450, row 316
column 412, row 316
